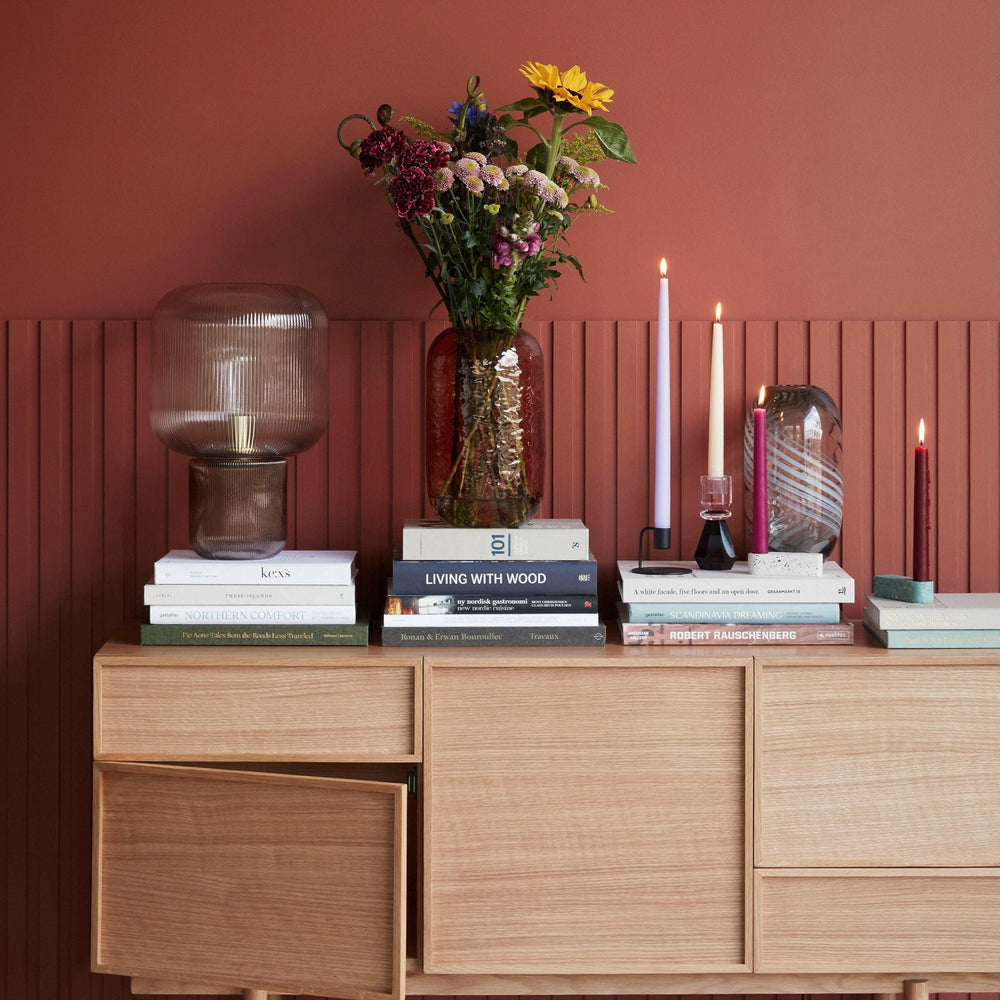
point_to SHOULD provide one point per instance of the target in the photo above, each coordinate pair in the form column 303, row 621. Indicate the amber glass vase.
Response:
column 485, row 427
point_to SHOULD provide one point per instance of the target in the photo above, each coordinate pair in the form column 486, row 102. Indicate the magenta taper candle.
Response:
column 921, row 511
column 760, row 534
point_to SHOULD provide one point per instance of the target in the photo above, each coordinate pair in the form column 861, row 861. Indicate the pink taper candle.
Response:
column 760, row 539
column 661, row 482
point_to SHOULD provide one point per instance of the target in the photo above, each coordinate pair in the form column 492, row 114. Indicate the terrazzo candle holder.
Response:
column 903, row 588
column 785, row 563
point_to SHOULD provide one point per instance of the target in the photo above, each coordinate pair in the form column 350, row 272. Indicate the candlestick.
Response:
column 760, row 527
column 715, row 401
column 661, row 482
column 921, row 510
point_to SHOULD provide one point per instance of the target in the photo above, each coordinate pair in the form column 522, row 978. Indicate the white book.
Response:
column 543, row 538
column 499, row 618
column 290, row 566
column 221, row 593
column 736, row 584
column 947, row 611
column 250, row 614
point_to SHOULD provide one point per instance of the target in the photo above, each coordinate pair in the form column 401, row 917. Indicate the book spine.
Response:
column 735, row 635
column 234, row 635
column 744, row 589
column 576, row 635
column 502, row 619
column 750, row 614
column 237, row 573
column 226, row 614
column 936, row 638
column 211, row 593
column 469, row 604
column 938, row 618
column 449, row 576
column 494, row 545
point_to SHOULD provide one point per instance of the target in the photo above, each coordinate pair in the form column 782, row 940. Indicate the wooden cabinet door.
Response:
column 890, row 762
column 585, row 817
column 283, row 883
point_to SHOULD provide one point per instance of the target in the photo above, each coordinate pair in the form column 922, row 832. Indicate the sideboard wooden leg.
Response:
column 884, row 996
column 915, row 989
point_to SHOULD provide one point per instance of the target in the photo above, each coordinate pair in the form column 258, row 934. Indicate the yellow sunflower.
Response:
column 572, row 87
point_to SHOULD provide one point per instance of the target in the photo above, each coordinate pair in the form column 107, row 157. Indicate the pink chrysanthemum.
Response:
column 443, row 179
column 474, row 184
column 493, row 175
column 466, row 167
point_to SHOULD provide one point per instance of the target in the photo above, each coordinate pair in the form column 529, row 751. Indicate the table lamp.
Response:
column 238, row 382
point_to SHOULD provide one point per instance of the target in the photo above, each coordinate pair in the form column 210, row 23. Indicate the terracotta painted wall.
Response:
column 797, row 159
column 827, row 169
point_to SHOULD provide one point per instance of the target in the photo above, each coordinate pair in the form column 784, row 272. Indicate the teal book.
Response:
column 935, row 638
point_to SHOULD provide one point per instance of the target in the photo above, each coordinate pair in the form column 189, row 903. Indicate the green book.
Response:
column 256, row 635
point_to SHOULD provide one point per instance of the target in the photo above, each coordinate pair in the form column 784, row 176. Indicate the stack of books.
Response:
column 530, row 586
column 733, row 607
column 952, row 621
column 300, row 597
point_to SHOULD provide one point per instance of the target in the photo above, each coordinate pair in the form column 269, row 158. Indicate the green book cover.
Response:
column 256, row 635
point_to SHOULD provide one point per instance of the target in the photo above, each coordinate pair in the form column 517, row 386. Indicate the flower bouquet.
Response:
column 490, row 225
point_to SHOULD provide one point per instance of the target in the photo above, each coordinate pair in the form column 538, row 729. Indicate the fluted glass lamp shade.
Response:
column 238, row 382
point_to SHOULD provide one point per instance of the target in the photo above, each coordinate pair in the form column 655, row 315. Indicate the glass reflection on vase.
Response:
column 485, row 427
column 805, row 499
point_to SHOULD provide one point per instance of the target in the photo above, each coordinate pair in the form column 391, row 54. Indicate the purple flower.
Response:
column 380, row 148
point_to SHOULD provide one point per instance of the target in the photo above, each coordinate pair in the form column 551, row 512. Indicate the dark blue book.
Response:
column 487, row 576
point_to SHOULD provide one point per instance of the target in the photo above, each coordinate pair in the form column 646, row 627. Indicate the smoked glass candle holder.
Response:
column 715, row 549
column 238, row 382
column 805, row 485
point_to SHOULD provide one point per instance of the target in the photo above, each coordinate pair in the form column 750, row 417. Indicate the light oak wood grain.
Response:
column 290, row 884
column 304, row 709
column 842, row 920
column 585, row 821
column 861, row 765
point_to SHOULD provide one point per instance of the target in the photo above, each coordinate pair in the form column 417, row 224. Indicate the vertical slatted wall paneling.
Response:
column 91, row 499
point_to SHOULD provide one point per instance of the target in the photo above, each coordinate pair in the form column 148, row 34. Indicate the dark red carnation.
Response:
column 381, row 147
column 412, row 193
column 427, row 156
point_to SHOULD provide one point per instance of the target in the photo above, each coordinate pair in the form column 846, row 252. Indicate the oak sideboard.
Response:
column 363, row 822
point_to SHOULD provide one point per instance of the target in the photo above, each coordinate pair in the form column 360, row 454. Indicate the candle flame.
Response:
column 920, row 433
column 760, row 398
column 663, row 267
column 718, row 311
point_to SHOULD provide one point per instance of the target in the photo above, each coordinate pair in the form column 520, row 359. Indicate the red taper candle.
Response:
column 921, row 511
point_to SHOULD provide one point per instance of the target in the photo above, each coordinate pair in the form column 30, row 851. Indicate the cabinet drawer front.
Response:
column 276, row 882
column 823, row 920
column 303, row 711
column 585, row 820
column 878, row 765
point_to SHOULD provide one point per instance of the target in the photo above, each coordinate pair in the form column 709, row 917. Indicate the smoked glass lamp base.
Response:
column 237, row 507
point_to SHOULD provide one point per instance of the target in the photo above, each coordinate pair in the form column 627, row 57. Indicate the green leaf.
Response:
column 536, row 156
column 528, row 106
column 612, row 138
